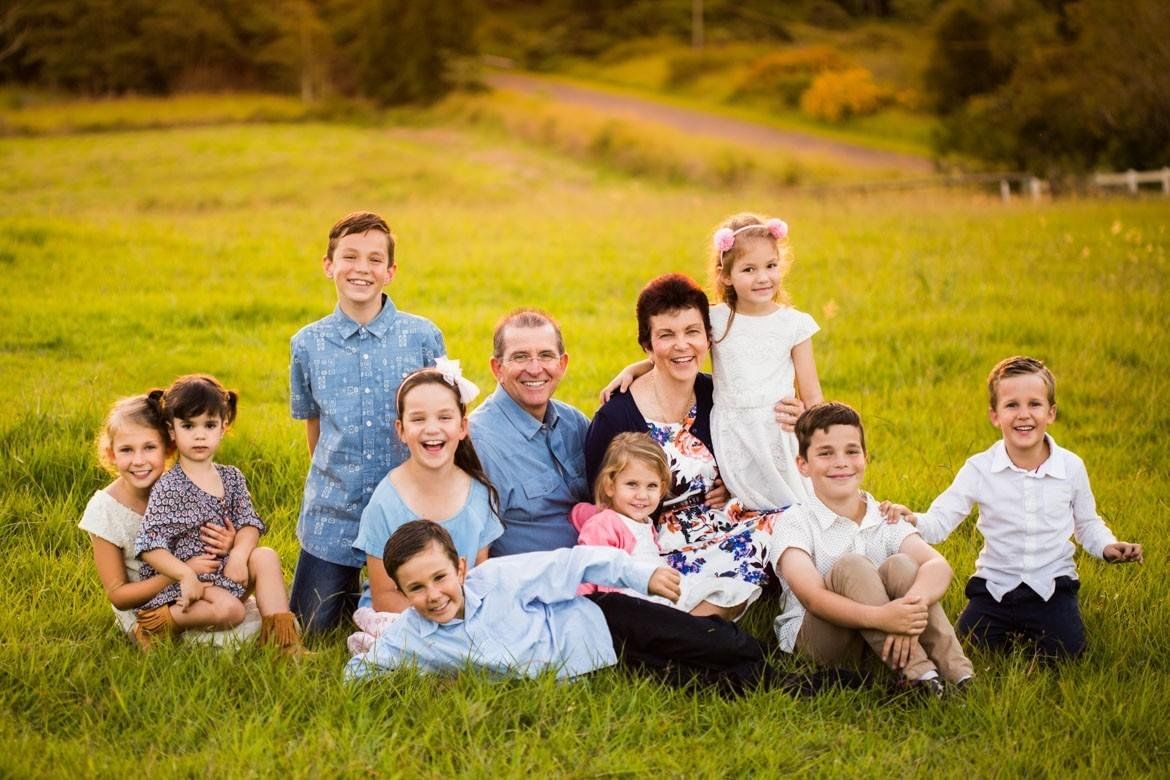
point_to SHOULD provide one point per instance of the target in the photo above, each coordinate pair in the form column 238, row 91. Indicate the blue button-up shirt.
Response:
column 537, row 467
column 347, row 375
column 521, row 617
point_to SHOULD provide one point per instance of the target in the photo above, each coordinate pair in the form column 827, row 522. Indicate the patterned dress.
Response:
column 727, row 548
column 174, row 514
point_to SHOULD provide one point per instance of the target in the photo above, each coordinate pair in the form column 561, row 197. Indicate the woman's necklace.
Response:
column 667, row 415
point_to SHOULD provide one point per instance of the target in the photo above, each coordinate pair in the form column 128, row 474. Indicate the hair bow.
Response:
column 454, row 376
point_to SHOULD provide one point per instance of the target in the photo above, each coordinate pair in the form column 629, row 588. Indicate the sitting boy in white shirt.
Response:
column 1032, row 495
column 850, row 578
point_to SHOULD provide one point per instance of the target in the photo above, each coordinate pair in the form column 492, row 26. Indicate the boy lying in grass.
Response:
column 520, row 616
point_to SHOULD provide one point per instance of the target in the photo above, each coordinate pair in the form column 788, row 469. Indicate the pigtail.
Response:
column 233, row 401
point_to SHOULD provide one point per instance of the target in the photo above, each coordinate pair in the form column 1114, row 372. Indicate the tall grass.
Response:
column 127, row 258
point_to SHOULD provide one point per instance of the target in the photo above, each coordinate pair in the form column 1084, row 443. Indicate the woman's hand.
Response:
column 665, row 582
column 625, row 378
column 787, row 410
column 218, row 539
column 717, row 497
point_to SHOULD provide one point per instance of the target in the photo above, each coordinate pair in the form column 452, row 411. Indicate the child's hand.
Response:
column 896, row 651
column 906, row 615
column 1123, row 552
column 717, row 496
column 894, row 512
column 218, row 539
column 190, row 590
column 665, row 582
column 235, row 568
column 787, row 410
column 204, row 564
column 621, row 383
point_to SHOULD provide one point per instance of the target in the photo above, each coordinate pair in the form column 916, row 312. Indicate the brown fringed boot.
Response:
column 154, row 625
column 281, row 630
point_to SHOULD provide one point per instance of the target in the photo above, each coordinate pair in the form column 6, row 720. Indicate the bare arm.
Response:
column 482, row 555
column 808, row 385
column 383, row 591
column 934, row 573
column 313, row 433
column 625, row 378
column 906, row 615
column 111, row 570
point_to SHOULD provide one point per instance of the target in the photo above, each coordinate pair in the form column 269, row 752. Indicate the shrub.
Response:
column 837, row 95
column 787, row 74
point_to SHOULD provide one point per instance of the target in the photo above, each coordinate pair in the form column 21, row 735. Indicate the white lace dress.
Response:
column 752, row 371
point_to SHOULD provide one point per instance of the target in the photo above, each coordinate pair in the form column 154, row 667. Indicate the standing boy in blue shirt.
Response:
column 344, row 376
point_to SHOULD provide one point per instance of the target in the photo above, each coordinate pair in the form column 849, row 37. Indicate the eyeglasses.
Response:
column 545, row 358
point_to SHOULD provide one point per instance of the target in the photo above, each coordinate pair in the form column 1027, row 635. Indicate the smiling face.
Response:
column 431, row 425
column 635, row 491
column 139, row 454
column 678, row 343
column 530, row 367
column 360, row 268
column 433, row 584
column 835, row 463
column 1022, row 413
column 755, row 275
column 197, row 438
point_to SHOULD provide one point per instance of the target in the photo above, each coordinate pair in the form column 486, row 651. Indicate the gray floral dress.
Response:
column 177, row 509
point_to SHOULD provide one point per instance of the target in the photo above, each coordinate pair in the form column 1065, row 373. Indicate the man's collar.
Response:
column 524, row 422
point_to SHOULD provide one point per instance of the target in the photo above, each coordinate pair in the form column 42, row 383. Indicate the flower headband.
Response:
column 725, row 236
column 453, row 376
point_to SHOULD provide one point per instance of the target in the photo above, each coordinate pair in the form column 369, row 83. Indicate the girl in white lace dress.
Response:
column 761, row 352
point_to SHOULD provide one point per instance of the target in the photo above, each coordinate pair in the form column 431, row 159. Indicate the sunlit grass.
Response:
column 129, row 257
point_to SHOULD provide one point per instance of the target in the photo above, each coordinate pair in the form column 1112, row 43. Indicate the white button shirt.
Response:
column 1026, row 518
column 826, row 536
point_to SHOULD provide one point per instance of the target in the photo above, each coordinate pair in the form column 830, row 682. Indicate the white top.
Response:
column 753, row 369
column 117, row 524
column 753, row 365
column 826, row 536
column 646, row 550
column 1026, row 518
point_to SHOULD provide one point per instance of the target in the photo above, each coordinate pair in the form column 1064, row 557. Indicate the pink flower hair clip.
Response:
column 725, row 236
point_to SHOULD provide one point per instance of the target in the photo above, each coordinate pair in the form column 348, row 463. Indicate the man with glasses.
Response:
column 532, row 447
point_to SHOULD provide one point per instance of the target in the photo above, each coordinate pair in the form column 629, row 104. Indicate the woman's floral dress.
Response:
column 727, row 548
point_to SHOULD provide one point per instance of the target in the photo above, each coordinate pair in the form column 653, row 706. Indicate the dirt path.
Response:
column 713, row 125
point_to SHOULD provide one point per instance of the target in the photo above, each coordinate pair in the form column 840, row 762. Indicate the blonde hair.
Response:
column 722, row 260
column 622, row 450
column 1019, row 365
column 143, row 410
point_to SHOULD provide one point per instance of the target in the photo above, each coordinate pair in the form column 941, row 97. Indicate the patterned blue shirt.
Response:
column 522, row 616
column 347, row 375
column 538, row 469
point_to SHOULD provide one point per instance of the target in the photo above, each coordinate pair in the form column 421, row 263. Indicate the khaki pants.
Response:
column 857, row 578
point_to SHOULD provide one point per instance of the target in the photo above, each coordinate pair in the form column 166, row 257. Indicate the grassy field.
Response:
column 129, row 257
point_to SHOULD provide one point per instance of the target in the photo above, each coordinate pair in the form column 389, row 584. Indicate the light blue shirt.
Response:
column 348, row 375
column 472, row 528
column 537, row 467
column 521, row 617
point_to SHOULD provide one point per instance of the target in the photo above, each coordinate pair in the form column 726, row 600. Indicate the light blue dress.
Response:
column 472, row 528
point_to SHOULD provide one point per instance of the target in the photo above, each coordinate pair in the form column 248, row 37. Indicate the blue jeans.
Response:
column 323, row 593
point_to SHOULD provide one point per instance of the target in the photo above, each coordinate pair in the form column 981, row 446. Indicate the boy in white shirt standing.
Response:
column 850, row 578
column 1032, row 495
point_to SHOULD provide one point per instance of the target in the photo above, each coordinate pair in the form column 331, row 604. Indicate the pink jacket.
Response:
column 597, row 527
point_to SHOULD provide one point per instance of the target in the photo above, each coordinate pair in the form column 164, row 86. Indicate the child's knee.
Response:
column 898, row 573
column 263, row 559
column 849, row 569
column 229, row 613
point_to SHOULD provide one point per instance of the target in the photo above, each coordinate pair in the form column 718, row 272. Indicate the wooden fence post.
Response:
column 1131, row 181
column 1166, row 182
column 1005, row 190
column 1034, row 187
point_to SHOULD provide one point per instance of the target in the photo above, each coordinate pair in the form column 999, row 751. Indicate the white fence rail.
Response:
column 1132, row 179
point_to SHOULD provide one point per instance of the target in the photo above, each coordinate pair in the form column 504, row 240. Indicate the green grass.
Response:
column 129, row 257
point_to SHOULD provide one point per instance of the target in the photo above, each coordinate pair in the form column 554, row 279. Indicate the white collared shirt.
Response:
column 826, row 536
column 1026, row 518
